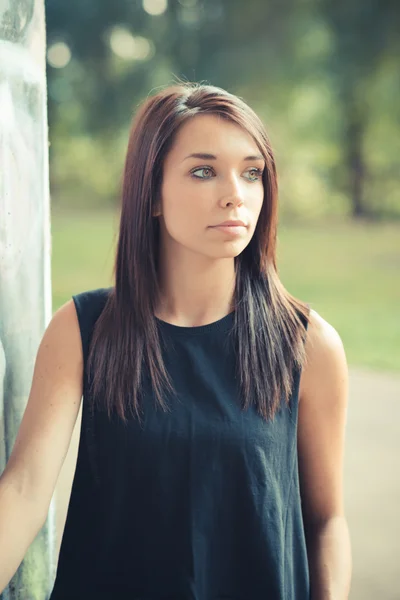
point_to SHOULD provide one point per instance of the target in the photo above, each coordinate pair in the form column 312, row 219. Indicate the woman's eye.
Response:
column 257, row 173
column 202, row 169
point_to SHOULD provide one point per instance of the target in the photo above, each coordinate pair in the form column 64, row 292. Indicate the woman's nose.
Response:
column 233, row 201
column 233, row 194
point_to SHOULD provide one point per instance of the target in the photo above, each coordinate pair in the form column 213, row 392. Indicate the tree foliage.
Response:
column 319, row 72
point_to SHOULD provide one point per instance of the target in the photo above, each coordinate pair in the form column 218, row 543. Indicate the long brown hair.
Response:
column 269, row 323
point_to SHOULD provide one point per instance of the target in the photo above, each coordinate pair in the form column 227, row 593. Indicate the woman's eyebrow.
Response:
column 207, row 156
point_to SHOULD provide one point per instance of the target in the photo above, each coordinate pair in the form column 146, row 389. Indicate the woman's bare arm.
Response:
column 321, row 436
column 28, row 481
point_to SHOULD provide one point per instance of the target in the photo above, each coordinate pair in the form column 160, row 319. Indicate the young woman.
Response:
column 214, row 402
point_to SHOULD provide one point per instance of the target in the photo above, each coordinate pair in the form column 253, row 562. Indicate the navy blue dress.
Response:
column 201, row 503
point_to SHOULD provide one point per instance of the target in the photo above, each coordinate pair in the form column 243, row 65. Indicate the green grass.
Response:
column 82, row 252
column 348, row 272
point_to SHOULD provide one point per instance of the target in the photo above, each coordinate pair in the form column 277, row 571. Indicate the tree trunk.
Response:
column 355, row 161
column 25, row 289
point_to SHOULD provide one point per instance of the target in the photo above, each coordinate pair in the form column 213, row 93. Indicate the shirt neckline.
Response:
column 223, row 324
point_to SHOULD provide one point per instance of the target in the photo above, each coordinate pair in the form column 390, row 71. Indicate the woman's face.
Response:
column 223, row 182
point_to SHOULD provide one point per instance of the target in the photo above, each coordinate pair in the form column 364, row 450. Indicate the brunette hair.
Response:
column 269, row 323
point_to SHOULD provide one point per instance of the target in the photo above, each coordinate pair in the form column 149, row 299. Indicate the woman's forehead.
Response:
column 212, row 135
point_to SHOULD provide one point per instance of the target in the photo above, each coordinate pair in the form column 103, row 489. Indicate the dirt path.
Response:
column 372, row 484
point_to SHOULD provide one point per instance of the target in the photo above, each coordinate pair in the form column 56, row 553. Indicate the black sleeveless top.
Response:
column 200, row 503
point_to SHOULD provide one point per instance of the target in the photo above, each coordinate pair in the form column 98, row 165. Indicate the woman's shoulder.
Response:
column 93, row 295
column 89, row 304
column 322, row 335
column 325, row 355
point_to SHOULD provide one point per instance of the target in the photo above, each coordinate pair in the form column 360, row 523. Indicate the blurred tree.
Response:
column 363, row 33
column 204, row 39
column 310, row 64
column 197, row 40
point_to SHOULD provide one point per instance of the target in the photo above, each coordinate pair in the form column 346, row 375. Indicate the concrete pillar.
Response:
column 25, row 286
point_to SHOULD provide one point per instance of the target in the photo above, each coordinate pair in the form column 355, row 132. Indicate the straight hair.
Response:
column 269, row 323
